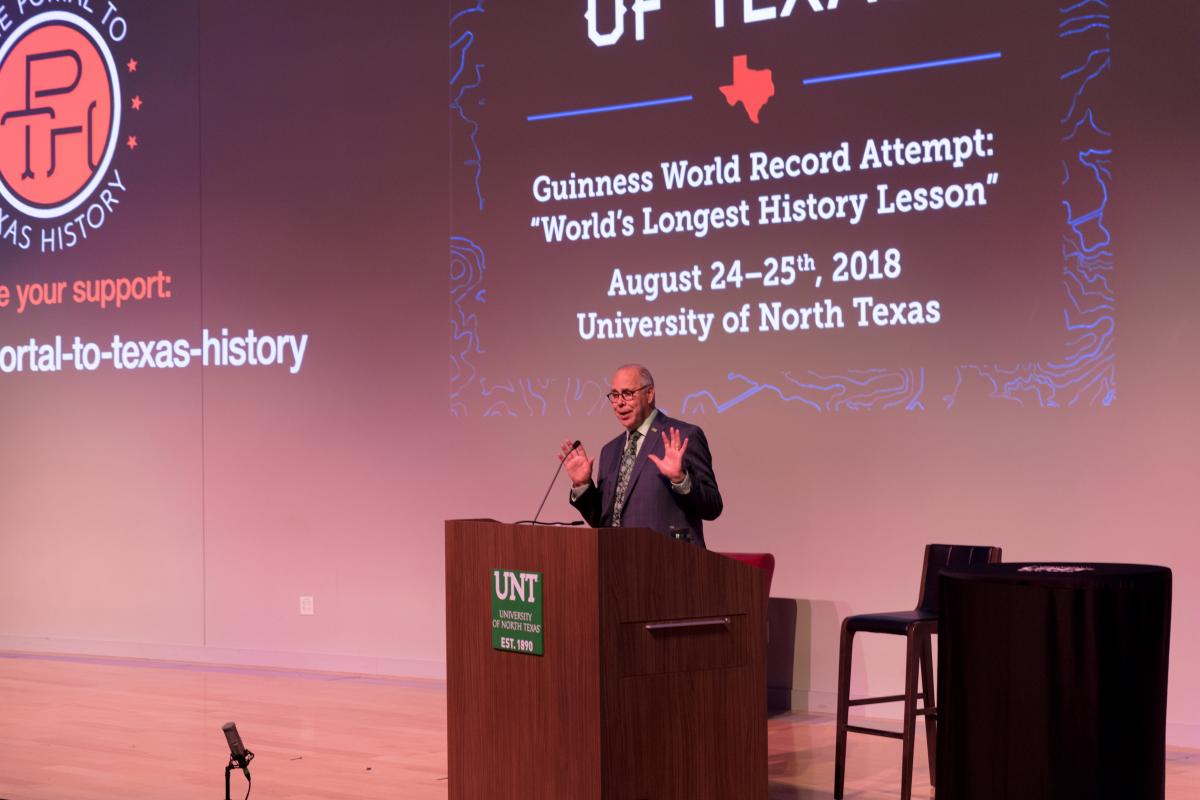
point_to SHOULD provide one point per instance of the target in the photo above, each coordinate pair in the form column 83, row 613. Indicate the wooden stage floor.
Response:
column 80, row 728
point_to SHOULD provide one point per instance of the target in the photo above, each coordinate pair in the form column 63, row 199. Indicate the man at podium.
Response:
column 657, row 474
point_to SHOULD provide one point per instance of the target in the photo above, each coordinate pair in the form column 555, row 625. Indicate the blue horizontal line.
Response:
column 946, row 62
column 662, row 101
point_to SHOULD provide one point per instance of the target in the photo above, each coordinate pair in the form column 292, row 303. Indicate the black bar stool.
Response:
column 918, row 626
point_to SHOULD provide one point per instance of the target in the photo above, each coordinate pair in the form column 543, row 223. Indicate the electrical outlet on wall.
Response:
column 306, row 605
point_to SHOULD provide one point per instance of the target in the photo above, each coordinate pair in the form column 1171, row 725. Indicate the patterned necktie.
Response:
column 623, row 476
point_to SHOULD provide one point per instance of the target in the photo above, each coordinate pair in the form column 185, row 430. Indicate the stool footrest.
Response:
column 874, row 731
column 892, row 698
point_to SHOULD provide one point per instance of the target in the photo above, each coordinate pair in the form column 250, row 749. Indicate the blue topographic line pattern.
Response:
column 468, row 268
column 542, row 397
column 1086, row 372
column 858, row 390
column 471, row 390
column 468, row 261
column 466, row 76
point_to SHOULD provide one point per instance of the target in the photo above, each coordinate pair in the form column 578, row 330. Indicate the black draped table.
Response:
column 1053, row 681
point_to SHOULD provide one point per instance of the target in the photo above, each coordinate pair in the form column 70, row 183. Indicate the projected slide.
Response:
column 99, row 197
column 815, row 206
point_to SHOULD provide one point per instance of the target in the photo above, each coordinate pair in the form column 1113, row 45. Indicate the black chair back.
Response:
column 943, row 556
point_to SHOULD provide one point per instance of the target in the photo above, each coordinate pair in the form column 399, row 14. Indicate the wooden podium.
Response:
column 652, row 680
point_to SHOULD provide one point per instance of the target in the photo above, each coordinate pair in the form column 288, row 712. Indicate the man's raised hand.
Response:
column 671, row 462
column 576, row 463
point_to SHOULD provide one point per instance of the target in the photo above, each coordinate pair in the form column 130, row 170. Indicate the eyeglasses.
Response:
column 626, row 394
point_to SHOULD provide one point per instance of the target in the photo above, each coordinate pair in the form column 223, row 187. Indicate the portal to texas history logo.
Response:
column 60, row 125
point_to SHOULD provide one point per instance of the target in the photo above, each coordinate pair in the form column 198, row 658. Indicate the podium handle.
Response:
column 688, row 623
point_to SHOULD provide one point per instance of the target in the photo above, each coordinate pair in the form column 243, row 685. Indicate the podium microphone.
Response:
column 561, row 461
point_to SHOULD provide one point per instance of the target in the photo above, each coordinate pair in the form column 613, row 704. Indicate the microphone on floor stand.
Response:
column 239, row 756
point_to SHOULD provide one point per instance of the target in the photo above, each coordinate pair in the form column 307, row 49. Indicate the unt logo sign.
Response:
column 517, row 611
column 516, row 585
